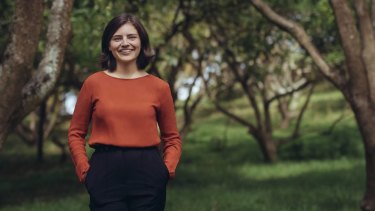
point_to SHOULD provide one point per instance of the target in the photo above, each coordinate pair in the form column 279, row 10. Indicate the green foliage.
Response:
column 218, row 143
column 343, row 142
column 7, row 9
column 88, row 22
column 318, row 140
column 230, row 93
column 318, row 20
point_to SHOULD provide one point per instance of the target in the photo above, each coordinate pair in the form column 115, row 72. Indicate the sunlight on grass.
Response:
column 221, row 168
column 261, row 172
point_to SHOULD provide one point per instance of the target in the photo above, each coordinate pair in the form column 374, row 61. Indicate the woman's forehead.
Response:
column 126, row 29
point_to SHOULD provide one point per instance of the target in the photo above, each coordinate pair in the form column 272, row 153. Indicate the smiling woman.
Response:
column 125, row 46
column 126, row 106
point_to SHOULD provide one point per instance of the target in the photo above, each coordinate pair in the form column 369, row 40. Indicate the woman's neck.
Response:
column 126, row 69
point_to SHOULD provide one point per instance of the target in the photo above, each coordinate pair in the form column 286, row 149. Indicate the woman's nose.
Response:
column 124, row 42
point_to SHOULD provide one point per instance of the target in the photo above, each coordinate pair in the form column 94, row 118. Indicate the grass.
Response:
column 207, row 180
column 221, row 169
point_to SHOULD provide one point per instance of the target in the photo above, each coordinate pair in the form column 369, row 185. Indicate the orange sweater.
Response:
column 124, row 112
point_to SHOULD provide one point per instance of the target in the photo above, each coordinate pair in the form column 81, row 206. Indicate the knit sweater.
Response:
column 126, row 113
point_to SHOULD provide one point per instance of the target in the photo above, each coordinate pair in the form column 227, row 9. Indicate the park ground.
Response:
column 221, row 168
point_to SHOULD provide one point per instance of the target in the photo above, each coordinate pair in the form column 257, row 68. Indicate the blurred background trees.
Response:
column 218, row 56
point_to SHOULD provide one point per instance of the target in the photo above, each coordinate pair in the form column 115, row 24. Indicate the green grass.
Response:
column 207, row 180
column 221, row 169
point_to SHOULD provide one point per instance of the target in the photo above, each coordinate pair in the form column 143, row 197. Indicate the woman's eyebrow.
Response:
column 119, row 35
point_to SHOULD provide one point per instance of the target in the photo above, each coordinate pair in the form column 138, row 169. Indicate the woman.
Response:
column 125, row 106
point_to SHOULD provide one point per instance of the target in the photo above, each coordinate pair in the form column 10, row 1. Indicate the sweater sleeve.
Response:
column 78, row 130
column 169, row 132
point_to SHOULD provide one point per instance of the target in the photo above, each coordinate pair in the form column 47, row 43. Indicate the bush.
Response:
column 218, row 144
column 343, row 142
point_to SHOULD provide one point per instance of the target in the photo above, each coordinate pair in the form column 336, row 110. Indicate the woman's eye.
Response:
column 117, row 39
column 132, row 38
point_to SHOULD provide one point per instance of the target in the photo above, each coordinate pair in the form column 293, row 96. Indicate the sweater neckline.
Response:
column 127, row 79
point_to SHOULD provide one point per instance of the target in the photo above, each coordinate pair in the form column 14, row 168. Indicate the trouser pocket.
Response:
column 161, row 162
column 89, row 171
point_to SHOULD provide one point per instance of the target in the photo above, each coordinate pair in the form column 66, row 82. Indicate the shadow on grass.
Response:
column 233, row 178
column 23, row 180
column 216, row 181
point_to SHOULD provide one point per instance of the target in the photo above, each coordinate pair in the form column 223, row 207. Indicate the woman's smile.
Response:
column 125, row 51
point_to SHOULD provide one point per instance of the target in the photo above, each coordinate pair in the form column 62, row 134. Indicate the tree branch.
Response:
column 28, row 136
column 230, row 58
column 53, row 113
column 290, row 91
column 302, row 112
column 240, row 120
column 49, row 68
column 60, row 144
column 188, row 110
column 296, row 133
column 174, row 29
column 336, row 122
column 303, row 39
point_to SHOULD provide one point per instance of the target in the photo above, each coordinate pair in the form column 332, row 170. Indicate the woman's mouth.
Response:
column 125, row 51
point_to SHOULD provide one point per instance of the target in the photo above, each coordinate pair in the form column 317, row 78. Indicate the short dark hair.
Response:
column 146, row 53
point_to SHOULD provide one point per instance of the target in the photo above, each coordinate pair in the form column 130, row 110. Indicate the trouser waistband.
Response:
column 104, row 147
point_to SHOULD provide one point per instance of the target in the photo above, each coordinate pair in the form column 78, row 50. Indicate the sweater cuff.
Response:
column 171, row 171
column 172, row 175
column 81, row 170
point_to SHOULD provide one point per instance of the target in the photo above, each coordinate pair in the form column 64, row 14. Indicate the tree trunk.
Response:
column 365, row 117
column 42, row 119
column 20, row 91
column 283, row 106
column 16, row 63
column 267, row 145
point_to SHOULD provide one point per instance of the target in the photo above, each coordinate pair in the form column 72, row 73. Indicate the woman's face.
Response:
column 125, row 44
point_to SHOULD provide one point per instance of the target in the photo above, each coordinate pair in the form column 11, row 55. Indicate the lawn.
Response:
column 221, row 170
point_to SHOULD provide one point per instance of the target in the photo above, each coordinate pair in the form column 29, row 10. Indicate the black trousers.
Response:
column 127, row 179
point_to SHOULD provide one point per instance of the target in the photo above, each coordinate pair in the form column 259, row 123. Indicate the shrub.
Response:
column 342, row 142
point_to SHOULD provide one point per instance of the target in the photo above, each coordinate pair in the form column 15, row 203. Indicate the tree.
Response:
column 356, row 80
column 23, row 86
column 261, row 91
column 244, row 61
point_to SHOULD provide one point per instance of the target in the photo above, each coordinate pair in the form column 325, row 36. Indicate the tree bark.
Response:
column 360, row 64
column 40, row 141
column 351, row 44
column 44, row 81
column 267, row 145
column 365, row 116
column 367, row 44
column 19, row 95
column 17, row 60
column 283, row 107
